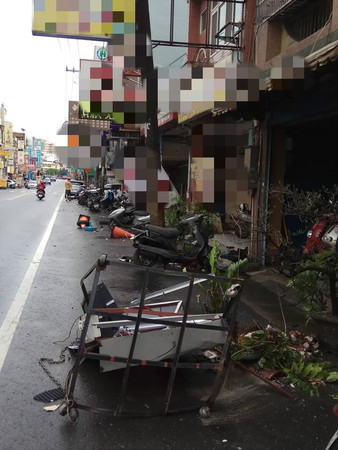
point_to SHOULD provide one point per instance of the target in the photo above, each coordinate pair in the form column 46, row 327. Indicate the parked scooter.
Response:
column 323, row 234
column 126, row 216
column 242, row 220
column 93, row 201
column 76, row 194
column 40, row 193
column 169, row 245
column 83, row 197
column 109, row 200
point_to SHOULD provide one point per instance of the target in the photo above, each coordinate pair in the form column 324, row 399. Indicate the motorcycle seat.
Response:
column 166, row 232
column 141, row 213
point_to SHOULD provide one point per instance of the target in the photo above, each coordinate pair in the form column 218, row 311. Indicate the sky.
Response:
column 34, row 84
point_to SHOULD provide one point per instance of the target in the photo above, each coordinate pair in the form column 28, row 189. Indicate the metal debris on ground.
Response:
column 144, row 325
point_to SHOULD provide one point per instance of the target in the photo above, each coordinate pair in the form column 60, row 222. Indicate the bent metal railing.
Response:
column 219, row 367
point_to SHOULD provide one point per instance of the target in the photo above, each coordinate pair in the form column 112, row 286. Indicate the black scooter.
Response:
column 40, row 193
column 170, row 246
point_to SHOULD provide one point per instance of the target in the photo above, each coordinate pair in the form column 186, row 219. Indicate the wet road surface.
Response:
column 249, row 415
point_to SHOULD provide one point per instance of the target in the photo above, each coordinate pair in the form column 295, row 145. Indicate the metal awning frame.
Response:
column 220, row 367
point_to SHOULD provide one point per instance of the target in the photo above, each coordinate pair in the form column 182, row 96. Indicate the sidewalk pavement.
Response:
column 266, row 292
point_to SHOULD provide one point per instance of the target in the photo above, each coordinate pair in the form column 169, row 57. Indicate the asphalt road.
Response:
column 24, row 219
column 249, row 414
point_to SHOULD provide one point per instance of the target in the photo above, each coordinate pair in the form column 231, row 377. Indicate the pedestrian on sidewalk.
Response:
column 68, row 187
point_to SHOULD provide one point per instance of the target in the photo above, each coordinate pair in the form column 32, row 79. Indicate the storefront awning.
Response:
column 322, row 57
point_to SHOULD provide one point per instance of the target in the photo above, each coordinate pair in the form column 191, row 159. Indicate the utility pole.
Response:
column 145, row 61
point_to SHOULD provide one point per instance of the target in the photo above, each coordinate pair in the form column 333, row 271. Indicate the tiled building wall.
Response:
column 273, row 41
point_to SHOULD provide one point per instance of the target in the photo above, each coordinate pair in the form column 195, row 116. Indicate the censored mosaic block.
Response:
column 94, row 19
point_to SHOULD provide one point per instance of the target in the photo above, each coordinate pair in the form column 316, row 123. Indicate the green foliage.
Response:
column 312, row 286
column 310, row 375
column 273, row 344
column 52, row 172
column 207, row 227
column 332, row 377
column 217, row 289
column 280, row 351
column 179, row 209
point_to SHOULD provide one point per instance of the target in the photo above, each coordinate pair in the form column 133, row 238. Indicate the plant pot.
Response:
column 327, row 333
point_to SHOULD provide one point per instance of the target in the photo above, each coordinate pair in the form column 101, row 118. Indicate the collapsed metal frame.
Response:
column 220, row 367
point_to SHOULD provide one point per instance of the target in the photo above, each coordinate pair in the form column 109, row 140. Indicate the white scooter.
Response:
column 126, row 216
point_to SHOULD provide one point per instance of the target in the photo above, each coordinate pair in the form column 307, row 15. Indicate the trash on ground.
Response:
column 52, row 407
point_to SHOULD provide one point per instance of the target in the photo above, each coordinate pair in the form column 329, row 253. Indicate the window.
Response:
column 226, row 19
column 310, row 20
column 203, row 20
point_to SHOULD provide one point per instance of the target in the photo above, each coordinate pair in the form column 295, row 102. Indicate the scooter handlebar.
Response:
column 192, row 219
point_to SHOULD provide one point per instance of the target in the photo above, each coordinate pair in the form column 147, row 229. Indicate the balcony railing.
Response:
column 268, row 9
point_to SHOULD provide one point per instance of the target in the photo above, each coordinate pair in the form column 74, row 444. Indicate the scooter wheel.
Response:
column 143, row 260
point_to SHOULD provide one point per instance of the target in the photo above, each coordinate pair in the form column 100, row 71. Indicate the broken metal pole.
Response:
column 133, row 344
column 179, row 345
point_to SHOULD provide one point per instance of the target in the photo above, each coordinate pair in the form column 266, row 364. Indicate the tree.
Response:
column 52, row 172
column 315, row 278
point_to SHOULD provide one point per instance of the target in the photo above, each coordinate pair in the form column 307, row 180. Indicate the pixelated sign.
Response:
column 94, row 19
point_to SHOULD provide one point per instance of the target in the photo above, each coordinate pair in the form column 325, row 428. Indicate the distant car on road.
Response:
column 32, row 184
column 11, row 184
column 52, row 179
column 46, row 180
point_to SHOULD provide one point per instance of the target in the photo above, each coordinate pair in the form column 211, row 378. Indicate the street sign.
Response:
column 101, row 53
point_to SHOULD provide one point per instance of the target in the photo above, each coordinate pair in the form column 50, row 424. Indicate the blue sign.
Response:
column 38, row 157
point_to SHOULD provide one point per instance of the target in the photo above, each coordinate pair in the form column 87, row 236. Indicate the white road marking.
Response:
column 11, row 321
column 14, row 198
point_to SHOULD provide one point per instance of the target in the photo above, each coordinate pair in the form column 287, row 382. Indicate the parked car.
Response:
column 46, row 180
column 32, row 184
column 11, row 184
column 116, row 187
column 52, row 179
column 76, row 185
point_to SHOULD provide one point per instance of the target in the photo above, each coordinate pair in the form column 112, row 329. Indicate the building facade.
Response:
column 299, row 133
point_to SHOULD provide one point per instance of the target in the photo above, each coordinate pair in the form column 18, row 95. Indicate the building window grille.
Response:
column 226, row 23
column 310, row 20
